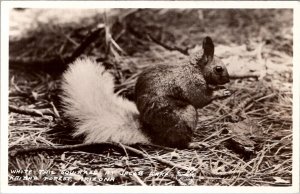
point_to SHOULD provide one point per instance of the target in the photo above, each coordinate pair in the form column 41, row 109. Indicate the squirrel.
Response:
column 165, row 109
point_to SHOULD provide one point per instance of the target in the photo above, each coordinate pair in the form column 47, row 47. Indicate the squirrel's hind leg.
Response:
column 170, row 123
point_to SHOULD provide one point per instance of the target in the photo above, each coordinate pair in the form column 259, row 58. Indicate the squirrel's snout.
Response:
column 225, row 78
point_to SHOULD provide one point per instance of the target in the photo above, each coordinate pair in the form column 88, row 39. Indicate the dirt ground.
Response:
column 245, row 140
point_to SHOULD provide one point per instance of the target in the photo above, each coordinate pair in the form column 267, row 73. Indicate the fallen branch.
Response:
column 16, row 151
column 149, row 37
column 161, row 160
column 32, row 112
column 56, row 64
column 86, row 42
column 168, row 47
column 84, row 146
column 243, row 76
column 19, row 94
column 223, row 174
column 51, row 65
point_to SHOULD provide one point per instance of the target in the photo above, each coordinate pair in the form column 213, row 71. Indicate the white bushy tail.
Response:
column 99, row 114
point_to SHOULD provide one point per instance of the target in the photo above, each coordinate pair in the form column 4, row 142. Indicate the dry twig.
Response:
column 243, row 76
column 86, row 42
column 148, row 37
column 33, row 112
column 168, row 47
column 234, row 115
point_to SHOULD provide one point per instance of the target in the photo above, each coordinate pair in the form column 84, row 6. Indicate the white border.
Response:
column 6, row 6
column 151, row 4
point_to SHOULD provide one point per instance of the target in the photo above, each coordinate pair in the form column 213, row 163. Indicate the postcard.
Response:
column 183, row 96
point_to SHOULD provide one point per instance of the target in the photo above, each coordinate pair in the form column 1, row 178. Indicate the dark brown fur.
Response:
column 167, row 96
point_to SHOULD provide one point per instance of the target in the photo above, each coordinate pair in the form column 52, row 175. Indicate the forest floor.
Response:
column 245, row 140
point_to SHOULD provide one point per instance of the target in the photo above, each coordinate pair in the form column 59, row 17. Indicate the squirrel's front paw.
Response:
column 221, row 94
column 227, row 93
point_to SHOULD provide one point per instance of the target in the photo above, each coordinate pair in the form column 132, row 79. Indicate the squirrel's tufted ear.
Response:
column 208, row 48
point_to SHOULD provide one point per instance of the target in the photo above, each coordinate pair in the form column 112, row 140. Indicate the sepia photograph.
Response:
column 150, row 97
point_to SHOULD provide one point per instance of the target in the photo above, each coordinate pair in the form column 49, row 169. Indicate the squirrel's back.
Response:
column 98, row 113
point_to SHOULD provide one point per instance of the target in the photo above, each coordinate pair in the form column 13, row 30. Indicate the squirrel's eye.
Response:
column 219, row 69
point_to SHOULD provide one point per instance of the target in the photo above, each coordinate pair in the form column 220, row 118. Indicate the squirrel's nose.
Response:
column 219, row 69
